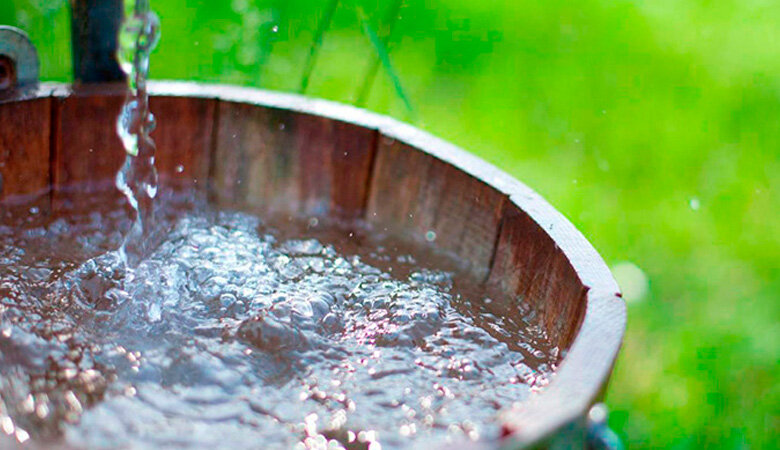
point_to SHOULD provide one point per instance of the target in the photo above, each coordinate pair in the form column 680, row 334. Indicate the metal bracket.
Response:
column 19, row 63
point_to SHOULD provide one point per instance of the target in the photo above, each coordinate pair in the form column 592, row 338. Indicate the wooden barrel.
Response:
column 248, row 148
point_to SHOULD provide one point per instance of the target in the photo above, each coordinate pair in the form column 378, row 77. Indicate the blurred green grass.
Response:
column 654, row 126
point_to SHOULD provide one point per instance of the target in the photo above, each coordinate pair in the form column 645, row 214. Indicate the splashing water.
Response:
column 235, row 333
column 137, row 179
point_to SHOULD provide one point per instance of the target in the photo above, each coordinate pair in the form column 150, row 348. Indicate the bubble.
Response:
column 271, row 334
column 430, row 236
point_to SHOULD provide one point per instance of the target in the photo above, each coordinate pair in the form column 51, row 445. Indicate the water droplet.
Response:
column 430, row 236
column 179, row 168
column 694, row 203
column 275, row 28
column 34, row 210
column 632, row 280
column 7, row 425
column 598, row 414
column 22, row 436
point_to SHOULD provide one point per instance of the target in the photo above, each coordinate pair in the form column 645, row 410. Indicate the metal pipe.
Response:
column 94, row 30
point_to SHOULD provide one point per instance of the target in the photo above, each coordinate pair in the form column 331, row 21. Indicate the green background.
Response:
column 654, row 126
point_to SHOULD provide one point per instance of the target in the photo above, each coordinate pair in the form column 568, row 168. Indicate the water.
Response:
column 137, row 179
column 234, row 333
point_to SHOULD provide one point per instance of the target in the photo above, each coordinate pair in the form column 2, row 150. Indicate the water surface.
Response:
column 234, row 333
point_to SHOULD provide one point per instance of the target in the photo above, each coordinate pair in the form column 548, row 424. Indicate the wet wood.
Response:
column 86, row 151
column 288, row 163
column 351, row 163
column 24, row 154
column 529, row 264
column 184, row 140
column 246, row 149
column 414, row 192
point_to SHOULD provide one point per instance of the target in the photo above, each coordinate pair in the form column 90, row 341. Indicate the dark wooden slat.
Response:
column 290, row 163
column 24, row 155
column 87, row 150
column 183, row 137
column 413, row 191
column 313, row 147
column 400, row 171
column 352, row 158
column 252, row 165
column 529, row 264
column 24, row 147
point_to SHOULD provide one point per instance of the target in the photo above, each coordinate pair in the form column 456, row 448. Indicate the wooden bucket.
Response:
column 248, row 148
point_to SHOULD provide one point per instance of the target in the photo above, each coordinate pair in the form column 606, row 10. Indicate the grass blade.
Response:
column 316, row 44
column 368, row 80
column 384, row 58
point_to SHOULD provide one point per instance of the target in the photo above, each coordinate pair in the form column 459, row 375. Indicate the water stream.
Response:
column 137, row 179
